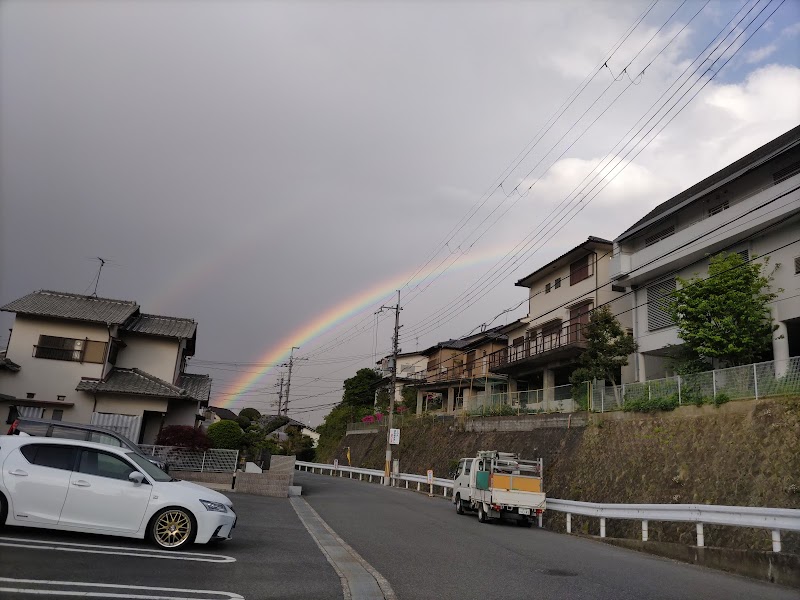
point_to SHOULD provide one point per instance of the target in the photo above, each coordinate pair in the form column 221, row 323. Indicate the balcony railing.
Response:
column 568, row 335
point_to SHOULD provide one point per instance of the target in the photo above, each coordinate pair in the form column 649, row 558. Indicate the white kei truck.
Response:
column 500, row 485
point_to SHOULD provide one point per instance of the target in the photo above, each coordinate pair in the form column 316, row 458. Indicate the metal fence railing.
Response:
column 759, row 380
column 216, row 460
column 528, row 402
column 774, row 519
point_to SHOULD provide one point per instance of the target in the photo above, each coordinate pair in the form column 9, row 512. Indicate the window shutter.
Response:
column 659, row 235
column 786, row 173
column 657, row 302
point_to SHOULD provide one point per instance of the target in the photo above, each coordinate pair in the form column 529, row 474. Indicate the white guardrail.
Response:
column 775, row 519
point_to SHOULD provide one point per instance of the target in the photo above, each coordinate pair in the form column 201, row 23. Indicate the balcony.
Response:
column 566, row 341
column 459, row 372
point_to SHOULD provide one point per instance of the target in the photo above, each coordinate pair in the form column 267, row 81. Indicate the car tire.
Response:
column 482, row 516
column 459, row 505
column 172, row 528
column 3, row 510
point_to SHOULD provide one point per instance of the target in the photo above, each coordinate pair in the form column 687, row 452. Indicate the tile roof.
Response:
column 223, row 413
column 528, row 279
column 197, row 386
column 734, row 170
column 132, row 381
column 7, row 363
column 175, row 327
column 63, row 305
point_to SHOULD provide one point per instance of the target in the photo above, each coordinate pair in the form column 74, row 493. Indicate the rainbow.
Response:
column 342, row 312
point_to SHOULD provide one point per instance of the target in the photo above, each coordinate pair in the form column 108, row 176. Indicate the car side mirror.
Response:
column 136, row 477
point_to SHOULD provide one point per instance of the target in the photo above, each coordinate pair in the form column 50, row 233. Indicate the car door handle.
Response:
column 81, row 483
column 18, row 472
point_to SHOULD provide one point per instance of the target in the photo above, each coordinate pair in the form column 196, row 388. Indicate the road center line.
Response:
column 114, row 550
column 360, row 581
column 148, row 595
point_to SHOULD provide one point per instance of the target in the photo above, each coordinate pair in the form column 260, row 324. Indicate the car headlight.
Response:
column 214, row 506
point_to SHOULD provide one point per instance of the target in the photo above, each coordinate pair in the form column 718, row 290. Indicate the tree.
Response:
column 225, row 434
column 725, row 316
column 250, row 413
column 607, row 351
column 359, row 390
column 243, row 421
column 410, row 397
column 334, row 427
column 183, row 436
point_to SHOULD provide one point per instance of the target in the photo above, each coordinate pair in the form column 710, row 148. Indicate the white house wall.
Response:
column 58, row 377
column 154, row 355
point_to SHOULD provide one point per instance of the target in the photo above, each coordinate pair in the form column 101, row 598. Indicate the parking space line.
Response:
column 86, row 593
column 114, row 550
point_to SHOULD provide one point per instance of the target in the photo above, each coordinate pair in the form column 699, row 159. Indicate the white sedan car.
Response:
column 93, row 488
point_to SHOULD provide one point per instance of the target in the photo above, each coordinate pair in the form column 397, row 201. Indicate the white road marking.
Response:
column 118, row 550
column 195, row 594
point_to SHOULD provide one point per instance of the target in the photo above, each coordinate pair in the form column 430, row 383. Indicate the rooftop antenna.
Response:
column 97, row 279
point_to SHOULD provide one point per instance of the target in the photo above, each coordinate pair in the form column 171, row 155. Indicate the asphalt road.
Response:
column 425, row 550
column 271, row 555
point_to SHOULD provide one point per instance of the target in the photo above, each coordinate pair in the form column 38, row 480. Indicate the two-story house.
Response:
column 543, row 348
column 410, row 370
column 101, row 361
column 751, row 207
column 457, row 372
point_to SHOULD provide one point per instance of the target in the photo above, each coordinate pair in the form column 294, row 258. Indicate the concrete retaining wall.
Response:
column 274, row 482
column 526, row 422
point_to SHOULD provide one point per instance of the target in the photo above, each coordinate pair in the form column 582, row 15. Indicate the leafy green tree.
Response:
column 334, row 427
column 243, row 421
column 226, row 434
column 275, row 422
column 250, row 413
column 359, row 390
column 609, row 346
column 382, row 400
column 726, row 315
column 410, row 398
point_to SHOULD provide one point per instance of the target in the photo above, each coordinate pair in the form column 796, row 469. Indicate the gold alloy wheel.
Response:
column 172, row 528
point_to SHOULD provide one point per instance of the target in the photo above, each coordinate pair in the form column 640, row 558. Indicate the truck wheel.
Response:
column 482, row 517
column 459, row 505
column 524, row 523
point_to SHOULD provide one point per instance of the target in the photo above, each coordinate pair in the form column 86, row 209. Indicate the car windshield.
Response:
column 145, row 465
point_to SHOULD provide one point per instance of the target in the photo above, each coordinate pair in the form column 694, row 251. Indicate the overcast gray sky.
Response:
column 272, row 168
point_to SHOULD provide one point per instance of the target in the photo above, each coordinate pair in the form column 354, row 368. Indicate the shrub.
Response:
column 226, row 434
column 184, row 436
column 721, row 398
column 368, row 419
column 378, row 416
column 645, row 404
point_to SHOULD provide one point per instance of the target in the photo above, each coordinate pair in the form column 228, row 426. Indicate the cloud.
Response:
column 759, row 54
column 791, row 30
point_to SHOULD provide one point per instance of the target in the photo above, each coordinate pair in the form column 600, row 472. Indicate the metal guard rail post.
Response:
column 775, row 519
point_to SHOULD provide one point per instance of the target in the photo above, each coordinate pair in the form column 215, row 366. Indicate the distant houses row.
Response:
column 751, row 207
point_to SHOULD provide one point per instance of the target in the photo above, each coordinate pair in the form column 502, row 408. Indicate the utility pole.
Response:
column 289, row 380
column 280, row 394
column 387, row 480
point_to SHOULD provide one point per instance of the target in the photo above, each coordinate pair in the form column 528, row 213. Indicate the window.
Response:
column 101, row 464
column 658, row 299
column 67, row 433
column 61, row 398
column 656, row 237
column 104, row 438
column 745, row 254
column 579, row 319
column 547, row 289
column 52, row 456
column 30, row 395
column 797, row 265
column 58, row 348
column 715, row 210
column 786, row 173
column 557, row 284
column 579, row 270
column 58, row 414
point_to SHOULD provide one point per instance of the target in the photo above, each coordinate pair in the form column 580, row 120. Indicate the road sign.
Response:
column 430, row 476
column 394, row 436
column 335, row 463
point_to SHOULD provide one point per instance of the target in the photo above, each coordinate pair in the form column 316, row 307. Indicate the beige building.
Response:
column 457, row 373
column 102, row 361
column 543, row 348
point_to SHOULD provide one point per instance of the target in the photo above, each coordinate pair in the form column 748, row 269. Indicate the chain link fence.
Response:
column 183, row 459
column 759, row 380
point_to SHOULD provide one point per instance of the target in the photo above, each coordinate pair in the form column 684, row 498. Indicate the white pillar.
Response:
column 640, row 362
column 780, row 348
column 569, row 522
column 644, row 531
column 420, row 396
column 548, row 383
column 602, row 527
column 776, row 540
column 700, row 538
column 451, row 399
